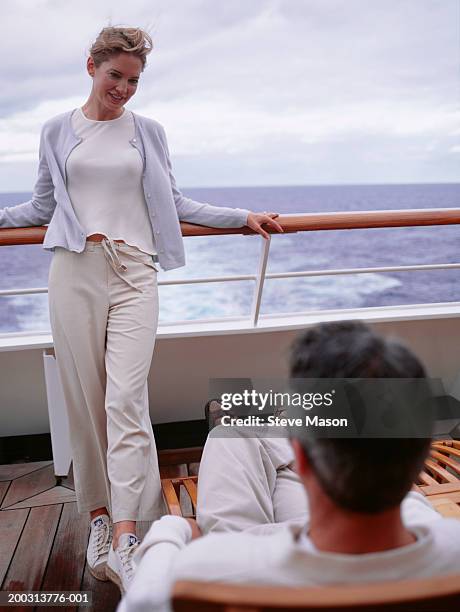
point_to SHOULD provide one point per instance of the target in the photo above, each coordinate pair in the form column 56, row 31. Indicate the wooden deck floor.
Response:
column 43, row 538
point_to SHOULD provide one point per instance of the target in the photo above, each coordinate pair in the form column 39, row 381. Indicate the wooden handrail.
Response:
column 290, row 223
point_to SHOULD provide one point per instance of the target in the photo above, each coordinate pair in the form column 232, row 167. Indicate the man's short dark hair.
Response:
column 357, row 474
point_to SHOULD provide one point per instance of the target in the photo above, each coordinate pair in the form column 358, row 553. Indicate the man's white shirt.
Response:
column 281, row 554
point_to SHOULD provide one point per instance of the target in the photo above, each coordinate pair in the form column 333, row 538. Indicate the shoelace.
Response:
column 101, row 542
column 126, row 556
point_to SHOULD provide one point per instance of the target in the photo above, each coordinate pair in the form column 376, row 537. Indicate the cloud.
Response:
column 242, row 82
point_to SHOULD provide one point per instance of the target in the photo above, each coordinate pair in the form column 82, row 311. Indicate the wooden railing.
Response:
column 290, row 223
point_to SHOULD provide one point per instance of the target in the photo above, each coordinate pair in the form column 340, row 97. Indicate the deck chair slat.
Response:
column 453, row 496
column 446, row 460
column 441, row 487
column 176, row 456
column 453, row 452
column 446, row 506
column 190, row 485
column 439, row 593
column 426, row 479
column 174, row 471
column 440, row 471
column 171, row 497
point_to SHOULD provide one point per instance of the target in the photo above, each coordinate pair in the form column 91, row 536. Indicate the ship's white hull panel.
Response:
column 187, row 356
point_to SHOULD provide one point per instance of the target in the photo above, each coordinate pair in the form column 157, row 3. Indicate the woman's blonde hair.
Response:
column 114, row 40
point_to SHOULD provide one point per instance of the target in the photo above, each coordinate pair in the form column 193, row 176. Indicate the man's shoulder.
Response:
column 447, row 529
column 443, row 557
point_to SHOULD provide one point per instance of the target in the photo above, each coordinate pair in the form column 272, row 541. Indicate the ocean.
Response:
column 27, row 266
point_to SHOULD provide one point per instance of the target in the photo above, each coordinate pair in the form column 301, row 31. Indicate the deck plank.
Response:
column 68, row 481
column 56, row 495
column 31, row 556
column 106, row 595
column 3, row 489
column 11, row 525
column 30, row 484
column 10, row 471
column 66, row 563
column 43, row 538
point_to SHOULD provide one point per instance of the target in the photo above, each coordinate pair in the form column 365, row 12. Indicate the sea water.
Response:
column 27, row 266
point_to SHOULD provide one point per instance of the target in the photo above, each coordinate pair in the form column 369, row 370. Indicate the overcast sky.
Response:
column 253, row 92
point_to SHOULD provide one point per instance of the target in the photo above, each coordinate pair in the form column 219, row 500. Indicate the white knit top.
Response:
column 104, row 181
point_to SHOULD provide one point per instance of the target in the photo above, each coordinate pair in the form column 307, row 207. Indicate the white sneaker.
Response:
column 120, row 564
column 100, row 540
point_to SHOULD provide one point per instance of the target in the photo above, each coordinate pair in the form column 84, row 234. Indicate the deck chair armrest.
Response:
column 172, row 488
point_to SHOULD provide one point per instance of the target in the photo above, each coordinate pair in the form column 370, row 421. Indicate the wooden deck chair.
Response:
column 439, row 482
column 440, row 594
column 440, row 479
column 173, row 490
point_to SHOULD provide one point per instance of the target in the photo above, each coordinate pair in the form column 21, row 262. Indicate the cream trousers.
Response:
column 104, row 313
column 247, row 483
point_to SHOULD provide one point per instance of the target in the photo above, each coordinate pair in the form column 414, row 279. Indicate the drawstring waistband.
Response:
column 112, row 257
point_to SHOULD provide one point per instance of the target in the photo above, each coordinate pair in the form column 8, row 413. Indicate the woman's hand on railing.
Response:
column 256, row 220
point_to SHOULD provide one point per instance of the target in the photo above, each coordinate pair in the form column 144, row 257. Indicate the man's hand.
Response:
column 196, row 531
column 256, row 220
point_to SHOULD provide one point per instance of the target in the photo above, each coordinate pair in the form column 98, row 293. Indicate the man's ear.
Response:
column 301, row 459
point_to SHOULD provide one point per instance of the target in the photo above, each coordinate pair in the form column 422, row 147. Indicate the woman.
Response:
column 106, row 189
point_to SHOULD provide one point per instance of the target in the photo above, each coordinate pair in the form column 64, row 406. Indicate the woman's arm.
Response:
column 215, row 216
column 40, row 208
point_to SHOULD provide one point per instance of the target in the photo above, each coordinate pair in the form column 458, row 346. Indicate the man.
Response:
column 346, row 515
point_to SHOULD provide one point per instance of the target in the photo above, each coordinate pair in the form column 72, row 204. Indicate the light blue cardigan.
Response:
column 166, row 205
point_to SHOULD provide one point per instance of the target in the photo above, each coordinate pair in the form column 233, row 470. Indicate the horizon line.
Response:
column 271, row 186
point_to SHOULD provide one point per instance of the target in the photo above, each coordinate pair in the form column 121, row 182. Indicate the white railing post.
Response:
column 59, row 423
column 260, row 279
